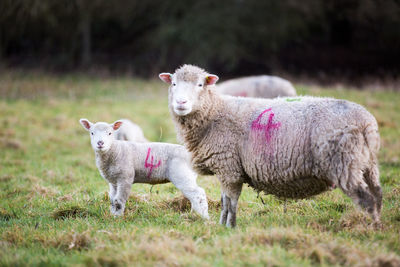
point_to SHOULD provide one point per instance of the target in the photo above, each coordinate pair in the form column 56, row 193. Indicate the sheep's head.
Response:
column 186, row 85
column 101, row 133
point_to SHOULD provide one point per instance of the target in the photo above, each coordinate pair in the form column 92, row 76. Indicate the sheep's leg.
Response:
column 224, row 209
column 185, row 180
column 111, row 194
column 123, row 190
column 230, row 196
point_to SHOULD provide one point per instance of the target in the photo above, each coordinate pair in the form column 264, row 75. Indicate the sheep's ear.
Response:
column 116, row 125
column 86, row 124
column 166, row 77
column 211, row 79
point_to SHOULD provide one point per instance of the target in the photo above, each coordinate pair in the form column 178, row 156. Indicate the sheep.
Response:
column 123, row 163
column 130, row 131
column 288, row 147
column 262, row 86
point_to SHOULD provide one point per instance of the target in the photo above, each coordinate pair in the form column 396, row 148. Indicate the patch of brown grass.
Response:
column 6, row 178
column 11, row 144
column 6, row 216
column 318, row 250
column 44, row 191
column 73, row 241
column 150, row 250
column 182, row 204
column 71, row 212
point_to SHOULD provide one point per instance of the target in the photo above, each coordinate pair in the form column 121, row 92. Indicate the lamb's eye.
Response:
column 200, row 85
column 109, row 133
column 174, row 84
column 92, row 133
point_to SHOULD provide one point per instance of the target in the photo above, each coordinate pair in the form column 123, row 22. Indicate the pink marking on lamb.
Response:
column 256, row 124
column 244, row 94
column 150, row 165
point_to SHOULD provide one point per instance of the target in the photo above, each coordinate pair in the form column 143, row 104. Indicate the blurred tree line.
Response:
column 234, row 37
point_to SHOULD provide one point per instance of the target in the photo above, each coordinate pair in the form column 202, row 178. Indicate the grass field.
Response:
column 54, row 208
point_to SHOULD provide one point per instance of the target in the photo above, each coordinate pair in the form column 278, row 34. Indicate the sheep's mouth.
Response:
column 100, row 147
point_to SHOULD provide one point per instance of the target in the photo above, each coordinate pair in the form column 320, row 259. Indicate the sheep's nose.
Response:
column 181, row 102
column 100, row 143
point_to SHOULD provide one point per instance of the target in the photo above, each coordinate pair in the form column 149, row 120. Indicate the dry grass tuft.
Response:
column 11, row 144
column 356, row 221
column 13, row 236
column 73, row 241
column 6, row 178
column 67, row 197
column 318, row 250
column 387, row 261
column 71, row 212
column 182, row 204
column 44, row 191
column 6, row 216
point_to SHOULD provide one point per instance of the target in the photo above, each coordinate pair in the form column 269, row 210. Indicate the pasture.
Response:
column 54, row 207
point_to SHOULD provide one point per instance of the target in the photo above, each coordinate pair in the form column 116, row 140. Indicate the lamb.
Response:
column 123, row 163
column 262, row 86
column 288, row 147
column 130, row 131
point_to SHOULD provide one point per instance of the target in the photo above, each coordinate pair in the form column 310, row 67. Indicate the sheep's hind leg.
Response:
column 185, row 180
column 230, row 195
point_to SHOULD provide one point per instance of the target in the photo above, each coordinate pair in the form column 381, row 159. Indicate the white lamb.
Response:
column 261, row 86
column 122, row 163
column 130, row 131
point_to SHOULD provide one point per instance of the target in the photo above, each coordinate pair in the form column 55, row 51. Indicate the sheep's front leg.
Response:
column 111, row 194
column 123, row 190
column 229, row 199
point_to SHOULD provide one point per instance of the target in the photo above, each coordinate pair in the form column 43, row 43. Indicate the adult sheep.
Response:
column 261, row 86
column 130, row 131
column 288, row 147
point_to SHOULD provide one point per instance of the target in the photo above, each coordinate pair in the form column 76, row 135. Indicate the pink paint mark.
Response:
column 244, row 94
column 150, row 165
column 256, row 124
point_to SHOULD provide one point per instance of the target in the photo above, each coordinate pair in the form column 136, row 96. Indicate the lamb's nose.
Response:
column 100, row 143
column 181, row 102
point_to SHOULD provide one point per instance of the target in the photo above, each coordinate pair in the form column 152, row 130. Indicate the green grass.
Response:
column 54, row 208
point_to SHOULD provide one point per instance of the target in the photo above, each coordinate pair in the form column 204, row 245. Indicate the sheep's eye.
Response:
column 174, row 84
column 92, row 133
column 109, row 133
column 200, row 85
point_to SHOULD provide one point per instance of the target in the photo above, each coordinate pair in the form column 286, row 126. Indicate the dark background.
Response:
column 350, row 39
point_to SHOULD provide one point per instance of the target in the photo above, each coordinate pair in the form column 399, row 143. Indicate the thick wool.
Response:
column 123, row 163
column 262, row 86
column 130, row 131
column 287, row 147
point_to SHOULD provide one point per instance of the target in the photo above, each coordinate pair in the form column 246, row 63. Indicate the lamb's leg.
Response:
column 111, row 194
column 185, row 180
column 230, row 196
column 123, row 190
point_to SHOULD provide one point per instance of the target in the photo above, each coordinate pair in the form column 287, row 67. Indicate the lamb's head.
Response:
column 101, row 134
column 187, row 85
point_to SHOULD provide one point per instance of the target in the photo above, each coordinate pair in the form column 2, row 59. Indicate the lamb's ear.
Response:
column 116, row 125
column 166, row 77
column 86, row 124
column 211, row 79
